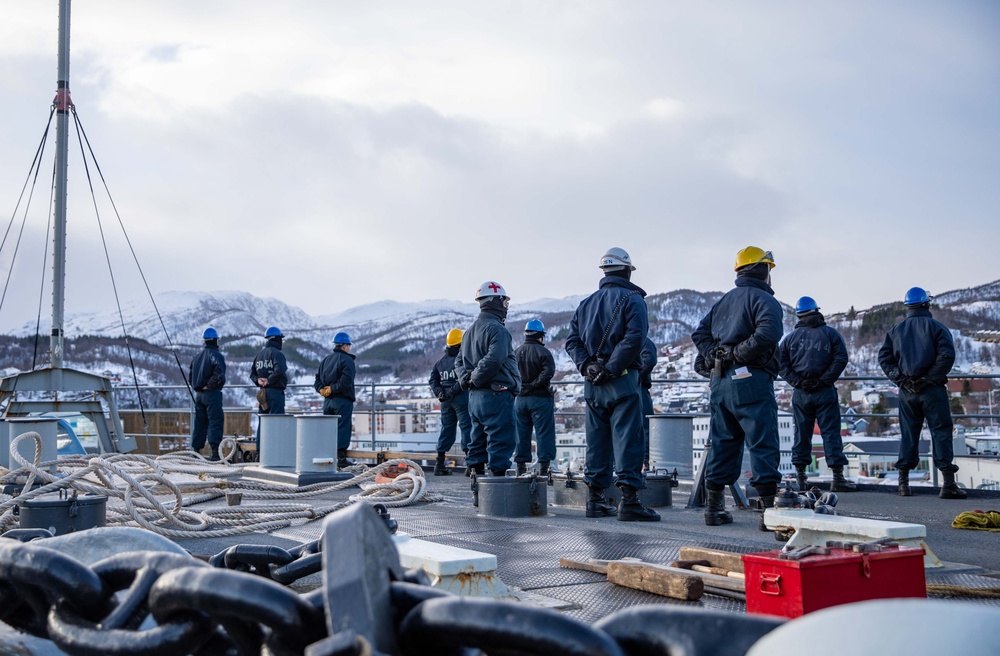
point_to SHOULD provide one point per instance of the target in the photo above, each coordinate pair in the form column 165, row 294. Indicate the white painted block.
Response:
column 443, row 560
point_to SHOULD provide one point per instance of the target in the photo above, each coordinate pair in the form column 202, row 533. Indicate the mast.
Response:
column 62, row 102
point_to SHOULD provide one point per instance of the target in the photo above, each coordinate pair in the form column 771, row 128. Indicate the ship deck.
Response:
column 528, row 549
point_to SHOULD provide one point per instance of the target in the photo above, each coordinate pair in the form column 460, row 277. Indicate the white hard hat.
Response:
column 616, row 258
column 490, row 288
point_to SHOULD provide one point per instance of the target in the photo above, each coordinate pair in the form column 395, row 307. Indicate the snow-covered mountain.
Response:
column 398, row 341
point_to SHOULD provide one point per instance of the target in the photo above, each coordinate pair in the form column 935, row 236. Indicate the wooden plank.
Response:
column 676, row 584
column 724, row 559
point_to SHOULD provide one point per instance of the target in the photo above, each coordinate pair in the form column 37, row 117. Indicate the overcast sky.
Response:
column 332, row 154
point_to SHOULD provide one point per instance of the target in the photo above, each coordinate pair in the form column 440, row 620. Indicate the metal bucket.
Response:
column 670, row 444
column 569, row 489
column 316, row 443
column 46, row 427
column 512, row 496
column 277, row 441
column 61, row 512
column 658, row 491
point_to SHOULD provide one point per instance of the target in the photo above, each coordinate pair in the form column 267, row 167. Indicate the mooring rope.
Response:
column 150, row 496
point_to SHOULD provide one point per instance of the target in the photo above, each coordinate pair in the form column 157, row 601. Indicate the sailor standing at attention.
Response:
column 535, row 407
column 454, row 403
column 208, row 376
column 335, row 383
column 917, row 354
column 269, row 373
column 486, row 367
column 738, row 339
column 606, row 336
column 812, row 358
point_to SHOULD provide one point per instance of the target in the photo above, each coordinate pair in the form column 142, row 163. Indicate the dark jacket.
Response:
column 208, row 370
column 647, row 360
column 918, row 347
column 624, row 343
column 536, row 366
column 270, row 363
column 813, row 350
column 444, row 380
column 488, row 355
column 747, row 319
column 337, row 370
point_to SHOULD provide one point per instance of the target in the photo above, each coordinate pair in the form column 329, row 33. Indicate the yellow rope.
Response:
column 978, row 520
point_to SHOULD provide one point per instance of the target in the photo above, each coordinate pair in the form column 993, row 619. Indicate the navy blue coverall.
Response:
column 917, row 355
column 270, row 363
column 208, row 376
column 614, row 409
column 337, row 370
column 454, row 402
column 487, row 355
column 535, row 407
column 812, row 358
column 747, row 320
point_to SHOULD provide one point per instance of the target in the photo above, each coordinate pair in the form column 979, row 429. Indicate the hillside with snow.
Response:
column 399, row 342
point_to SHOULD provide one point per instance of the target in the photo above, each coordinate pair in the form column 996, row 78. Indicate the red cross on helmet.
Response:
column 490, row 288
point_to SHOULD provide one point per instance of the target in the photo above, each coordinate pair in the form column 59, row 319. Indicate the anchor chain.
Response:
column 237, row 603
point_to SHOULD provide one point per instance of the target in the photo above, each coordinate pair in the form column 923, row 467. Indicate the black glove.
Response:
column 443, row 396
column 725, row 355
column 703, row 367
column 596, row 373
column 918, row 385
column 466, row 382
column 810, row 384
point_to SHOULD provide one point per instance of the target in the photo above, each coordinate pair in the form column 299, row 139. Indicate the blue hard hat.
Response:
column 534, row 326
column 342, row 338
column 916, row 296
column 805, row 304
column 210, row 333
column 273, row 331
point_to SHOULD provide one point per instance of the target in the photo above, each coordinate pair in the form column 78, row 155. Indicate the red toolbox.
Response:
column 791, row 588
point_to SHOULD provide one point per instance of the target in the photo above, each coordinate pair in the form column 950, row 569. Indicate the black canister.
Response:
column 64, row 512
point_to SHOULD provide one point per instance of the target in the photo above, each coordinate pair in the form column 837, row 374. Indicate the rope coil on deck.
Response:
column 147, row 497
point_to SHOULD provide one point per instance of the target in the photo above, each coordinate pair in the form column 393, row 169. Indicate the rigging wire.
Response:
column 100, row 173
column 35, row 168
column 114, row 285
column 45, row 260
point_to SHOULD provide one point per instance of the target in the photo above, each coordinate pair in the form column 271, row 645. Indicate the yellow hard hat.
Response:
column 753, row 255
column 454, row 337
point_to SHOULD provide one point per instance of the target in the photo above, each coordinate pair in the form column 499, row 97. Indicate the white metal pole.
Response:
column 62, row 102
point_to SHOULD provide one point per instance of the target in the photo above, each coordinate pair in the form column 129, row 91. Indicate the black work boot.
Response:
column 522, row 468
column 342, row 461
column 632, row 510
column 597, row 505
column 950, row 489
column 841, row 484
column 440, row 469
column 801, row 478
column 904, row 482
column 767, row 494
column 215, row 453
column 543, row 469
column 715, row 508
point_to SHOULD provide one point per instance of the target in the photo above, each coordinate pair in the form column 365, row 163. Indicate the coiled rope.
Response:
column 142, row 491
column 978, row 520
